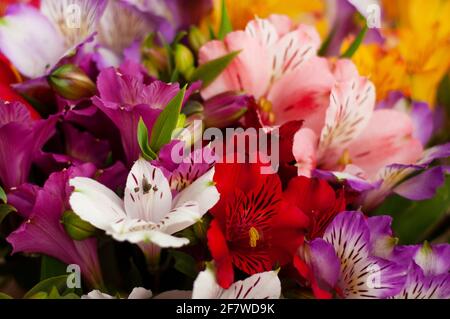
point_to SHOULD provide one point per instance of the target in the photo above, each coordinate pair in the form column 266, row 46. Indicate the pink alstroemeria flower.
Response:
column 343, row 132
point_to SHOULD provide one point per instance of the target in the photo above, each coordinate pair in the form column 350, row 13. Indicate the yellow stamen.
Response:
column 254, row 237
column 266, row 107
column 345, row 158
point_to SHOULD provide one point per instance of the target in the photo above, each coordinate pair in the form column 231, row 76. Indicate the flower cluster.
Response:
column 224, row 149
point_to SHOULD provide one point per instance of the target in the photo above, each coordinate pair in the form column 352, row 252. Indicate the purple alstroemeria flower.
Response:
column 125, row 96
column 179, row 13
column 21, row 138
column 346, row 260
column 420, row 112
column 428, row 272
column 42, row 231
column 50, row 33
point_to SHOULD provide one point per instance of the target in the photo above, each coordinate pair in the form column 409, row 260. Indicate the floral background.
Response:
column 97, row 95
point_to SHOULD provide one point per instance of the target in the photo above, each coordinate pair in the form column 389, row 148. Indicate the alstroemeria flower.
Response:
column 136, row 293
column 264, row 285
column 125, row 96
column 358, row 272
column 50, row 32
column 317, row 199
column 21, row 139
column 42, row 231
column 122, row 26
column 148, row 213
column 253, row 228
column 286, row 77
column 428, row 273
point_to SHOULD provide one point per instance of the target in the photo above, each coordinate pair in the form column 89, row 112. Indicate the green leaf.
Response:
column 212, row 35
column 209, row 71
column 142, row 134
column 355, row 44
column 326, row 44
column 46, row 286
column 185, row 263
column 413, row 219
column 5, row 210
column 167, row 122
column 51, row 267
column 3, row 196
column 225, row 23
column 4, row 296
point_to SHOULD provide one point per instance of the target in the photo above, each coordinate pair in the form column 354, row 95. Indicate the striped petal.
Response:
column 202, row 191
column 419, row 286
column 264, row 285
column 351, row 106
column 139, row 231
column 362, row 276
column 76, row 20
column 147, row 193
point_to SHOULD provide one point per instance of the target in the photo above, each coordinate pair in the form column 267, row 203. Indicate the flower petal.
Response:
column 23, row 28
column 147, row 193
column 202, row 191
column 95, row 203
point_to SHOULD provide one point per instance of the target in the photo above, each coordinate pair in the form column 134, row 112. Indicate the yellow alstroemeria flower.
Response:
column 242, row 11
column 385, row 68
column 423, row 40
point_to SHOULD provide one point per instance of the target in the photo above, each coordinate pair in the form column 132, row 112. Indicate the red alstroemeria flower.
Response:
column 317, row 199
column 253, row 227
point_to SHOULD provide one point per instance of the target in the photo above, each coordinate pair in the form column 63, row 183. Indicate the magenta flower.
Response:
column 21, row 139
column 125, row 96
column 42, row 231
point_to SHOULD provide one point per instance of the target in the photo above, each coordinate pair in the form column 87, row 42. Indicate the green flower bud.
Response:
column 196, row 38
column 184, row 60
column 77, row 228
column 71, row 82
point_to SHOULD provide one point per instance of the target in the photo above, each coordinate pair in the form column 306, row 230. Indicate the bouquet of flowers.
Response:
column 224, row 149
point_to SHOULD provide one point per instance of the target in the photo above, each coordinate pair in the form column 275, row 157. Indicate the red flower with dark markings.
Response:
column 321, row 203
column 253, row 227
column 317, row 199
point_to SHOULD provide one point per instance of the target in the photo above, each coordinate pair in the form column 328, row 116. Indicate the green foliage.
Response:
column 185, row 263
column 225, row 22
column 355, row 44
column 167, row 122
column 51, row 288
column 412, row 220
column 142, row 135
column 5, row 209
column 209, row 71
column 3, row 196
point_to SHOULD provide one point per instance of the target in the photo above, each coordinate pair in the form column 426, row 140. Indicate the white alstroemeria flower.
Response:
column 148, row 212
column 265, row 285
column 137, row 293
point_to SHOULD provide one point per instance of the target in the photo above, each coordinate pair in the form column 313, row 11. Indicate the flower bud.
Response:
column 196, row 39
column 71, row 82
column 77, row 228
column 184, row 60
column 224, row 109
